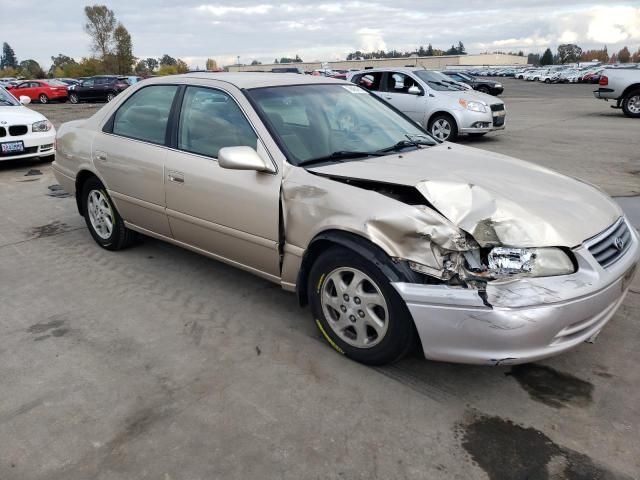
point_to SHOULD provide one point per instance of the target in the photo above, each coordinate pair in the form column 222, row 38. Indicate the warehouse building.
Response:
column 431, row 63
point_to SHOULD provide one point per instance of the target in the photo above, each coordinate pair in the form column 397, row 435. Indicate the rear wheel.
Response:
column 105, row 224
column 73, row 98
column 443, row 127
column 42, row 98
column 546, row 80
column 631, row 104
column 357, row 310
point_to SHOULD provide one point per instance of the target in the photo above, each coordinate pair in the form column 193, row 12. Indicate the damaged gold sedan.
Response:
column 390, row 236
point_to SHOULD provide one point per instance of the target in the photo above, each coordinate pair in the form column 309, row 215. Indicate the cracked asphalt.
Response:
column 157, row 363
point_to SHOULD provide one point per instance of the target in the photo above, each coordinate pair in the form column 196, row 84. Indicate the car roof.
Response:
column 250, row 79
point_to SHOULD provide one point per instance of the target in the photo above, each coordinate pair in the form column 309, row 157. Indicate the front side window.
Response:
column 88, row 83
column 399, row 82
column 338, row 118
column 210, row 120
column 145, row 115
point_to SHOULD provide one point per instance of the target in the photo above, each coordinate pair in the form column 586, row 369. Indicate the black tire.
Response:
column 73, row 98
column 546, row 80
column 400, row 335
column 121, row 237
column 483, row 89
column 631, row 101
column 452, row 123
column 110, row 96
column 42, row 98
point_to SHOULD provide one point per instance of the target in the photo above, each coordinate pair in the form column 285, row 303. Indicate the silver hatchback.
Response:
column 443, row 107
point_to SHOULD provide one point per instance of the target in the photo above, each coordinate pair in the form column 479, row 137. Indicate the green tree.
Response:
column 256, row 62
column 181, row 66
column 58, row 64
column 533, row 59
column 31, row 69
column 168, row 61
column 100, row 25
column 211, row 64
column 569, row 53
column 8, row 58
column 429, row 51
column 624, row 56
column 124, row 58
column 461, row 49
column 547, row 57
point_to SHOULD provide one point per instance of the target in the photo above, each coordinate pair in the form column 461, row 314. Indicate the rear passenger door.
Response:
column 85, row 89
column 129, row 155
column 231, row 214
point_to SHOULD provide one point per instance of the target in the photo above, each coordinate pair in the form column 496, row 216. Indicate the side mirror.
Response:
column 24, row 100
column 243, row 158
column 413, row 90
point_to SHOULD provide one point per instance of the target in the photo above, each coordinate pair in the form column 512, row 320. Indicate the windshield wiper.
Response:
column 411, row 141
column 339, row 155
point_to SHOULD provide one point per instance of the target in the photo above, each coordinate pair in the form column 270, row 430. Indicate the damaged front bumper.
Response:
column 520, row 320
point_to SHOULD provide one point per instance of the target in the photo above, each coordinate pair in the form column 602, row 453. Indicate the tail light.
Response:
column 604, row 80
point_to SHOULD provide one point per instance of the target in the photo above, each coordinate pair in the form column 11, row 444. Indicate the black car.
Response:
column 480, row 84
column 100, row 87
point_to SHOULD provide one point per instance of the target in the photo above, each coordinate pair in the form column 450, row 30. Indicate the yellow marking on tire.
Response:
column 319, row 283
column 328, row 339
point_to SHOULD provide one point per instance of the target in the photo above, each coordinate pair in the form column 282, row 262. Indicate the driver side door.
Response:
column 233, row 215
column 396, row 92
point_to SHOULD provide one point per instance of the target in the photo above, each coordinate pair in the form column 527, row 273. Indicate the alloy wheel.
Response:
column 354, row 307
column 110, row 97
column 633, row 104
column 441, row 129
column 43, row 98
column 100, row 214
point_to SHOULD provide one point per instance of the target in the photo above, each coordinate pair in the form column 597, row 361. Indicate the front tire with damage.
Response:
column 357, row 310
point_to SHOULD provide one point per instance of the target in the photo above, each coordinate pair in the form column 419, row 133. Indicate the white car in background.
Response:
column 441, row 106
column 549, row 76
column 24, row 133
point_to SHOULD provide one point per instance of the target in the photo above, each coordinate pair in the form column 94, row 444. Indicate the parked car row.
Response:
column 96, row 88
column 551, row 74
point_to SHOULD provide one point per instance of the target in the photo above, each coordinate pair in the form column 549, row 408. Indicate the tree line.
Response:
column 112, row 53
column 420, row 52
column 572, row 53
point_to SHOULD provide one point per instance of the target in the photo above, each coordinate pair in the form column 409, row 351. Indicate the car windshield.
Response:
column 438, row 81
column 316, row 123
column 6, row 99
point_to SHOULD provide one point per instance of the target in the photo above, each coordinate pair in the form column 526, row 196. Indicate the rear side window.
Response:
column 210, row 120
column 145, row 115
column 370, row 81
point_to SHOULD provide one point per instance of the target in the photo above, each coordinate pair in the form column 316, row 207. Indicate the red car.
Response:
column 41, row 90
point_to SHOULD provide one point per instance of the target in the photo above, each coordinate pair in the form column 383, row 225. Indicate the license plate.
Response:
column 12, row 147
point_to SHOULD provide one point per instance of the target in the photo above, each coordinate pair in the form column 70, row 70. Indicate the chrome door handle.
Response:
column 101, row 156
column 176, row 177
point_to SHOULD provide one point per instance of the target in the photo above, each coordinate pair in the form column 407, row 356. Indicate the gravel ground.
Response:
column 157, row 363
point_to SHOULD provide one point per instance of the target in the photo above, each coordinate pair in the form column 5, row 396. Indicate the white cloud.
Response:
column 220, row 10
column 568, row 37
column 371, row 39
column 614, row 24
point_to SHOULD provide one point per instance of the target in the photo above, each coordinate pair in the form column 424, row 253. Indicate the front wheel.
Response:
column 104, row 223
column 546, row 80
column 483, row 89
column 631, row 104
column 43, row 98
column 357, row 310
column 443, row 127
column 73, row 98
column 110, row 96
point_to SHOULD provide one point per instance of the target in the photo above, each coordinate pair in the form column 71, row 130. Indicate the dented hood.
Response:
column 499, row 200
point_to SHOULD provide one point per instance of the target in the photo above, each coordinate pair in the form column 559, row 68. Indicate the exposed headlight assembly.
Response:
column 41, row 126
column 473, row 106
column 530, row 262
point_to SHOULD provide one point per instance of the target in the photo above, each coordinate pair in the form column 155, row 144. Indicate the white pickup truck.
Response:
column 623, row 86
